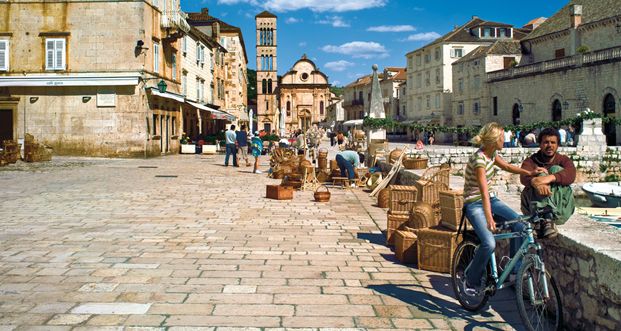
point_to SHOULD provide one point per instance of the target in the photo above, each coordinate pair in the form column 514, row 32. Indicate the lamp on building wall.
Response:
column 565, row 105
column 161, row 86
column 33, row 99
column 86, row 99
column 520, row 107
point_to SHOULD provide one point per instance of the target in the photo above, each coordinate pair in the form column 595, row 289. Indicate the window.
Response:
column 4, row 55
column 438, row 77
column 495, row 105
column 427, row 78
column 559, row 53
column 427, row 58
column 487, row 32
column 184, row 45
column 457, row 52
column 321, row 110
column 477, row 82
column 428, row 101
column 154, row 124
column 174, row 66
column 410, row 63
column 460, row 108
column 475, row 108
column 156, row 57
column 198, row 53
column 437, row 101
column 184, row 83
column 288, row 108
column 460, row 85
column 269, row 86
column 202, row 90
column 54, row 54
column 360, row 97
column 437, row 53
column 198, row 89
column 174, row 125
column 202, row 53
column 419, row 80
column 418, row 59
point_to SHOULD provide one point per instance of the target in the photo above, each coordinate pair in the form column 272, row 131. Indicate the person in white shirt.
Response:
column 507, row 140
column 563, row 135
column 231, row 147
column 347, row 161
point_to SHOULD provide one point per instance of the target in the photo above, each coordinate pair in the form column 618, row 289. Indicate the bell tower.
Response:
column 267, row 72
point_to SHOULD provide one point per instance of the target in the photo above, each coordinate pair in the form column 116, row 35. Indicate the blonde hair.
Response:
column 488, row 134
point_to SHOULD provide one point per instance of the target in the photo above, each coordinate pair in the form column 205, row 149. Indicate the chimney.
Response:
column 205, row 11
column 575, row 15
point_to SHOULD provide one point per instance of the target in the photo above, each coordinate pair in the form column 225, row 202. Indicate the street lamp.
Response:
column 161, row 86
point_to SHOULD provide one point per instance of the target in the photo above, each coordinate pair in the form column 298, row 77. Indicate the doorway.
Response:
column 6, row 125
column 557, row 111
column 610, row 129
column 516, row 114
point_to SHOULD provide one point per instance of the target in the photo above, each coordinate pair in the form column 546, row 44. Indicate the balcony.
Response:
column 175, row 19
column 593, row 58
column 357, row 102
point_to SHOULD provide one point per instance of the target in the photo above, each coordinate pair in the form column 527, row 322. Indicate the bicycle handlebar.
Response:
column 534, row 218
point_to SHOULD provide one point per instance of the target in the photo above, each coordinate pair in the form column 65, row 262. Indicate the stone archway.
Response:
column 609, row 110
column 305, row 119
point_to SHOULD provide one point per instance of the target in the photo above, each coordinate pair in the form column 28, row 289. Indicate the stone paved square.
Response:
column 106, row 244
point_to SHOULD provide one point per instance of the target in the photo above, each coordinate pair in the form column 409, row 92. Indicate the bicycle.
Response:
column 538, row 298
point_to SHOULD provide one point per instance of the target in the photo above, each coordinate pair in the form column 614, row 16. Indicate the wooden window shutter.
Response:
column 60, row 54
column 49, row 54
column 4, row 55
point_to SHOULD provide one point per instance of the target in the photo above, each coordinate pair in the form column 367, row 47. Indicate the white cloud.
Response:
column 302, row 44
column 313, row 5
column 341, row 65
column 392, row 28
column 358, row 49
column 335, row 21
column 336, row 83
column 423, row 36
column 292, row 20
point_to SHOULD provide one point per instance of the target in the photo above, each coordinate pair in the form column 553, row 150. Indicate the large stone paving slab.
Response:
column 183, row 243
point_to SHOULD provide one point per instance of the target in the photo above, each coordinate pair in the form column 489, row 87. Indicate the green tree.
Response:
column 337, row 90
column 252, row 84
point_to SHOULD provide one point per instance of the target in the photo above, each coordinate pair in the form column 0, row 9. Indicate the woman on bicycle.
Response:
column 482, row 207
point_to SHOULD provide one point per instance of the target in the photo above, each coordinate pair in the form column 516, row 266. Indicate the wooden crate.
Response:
column 402, row 197
column 435, row 249
column 279, row 192
column 405, row 246
column 451, row 199
column 395, row 221
column 451, row 218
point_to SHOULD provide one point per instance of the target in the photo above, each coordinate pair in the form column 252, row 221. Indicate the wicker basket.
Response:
column 394, row 155
column 415, row 163
column 451, row 218
column 428, row 191
column 435, row 249
column 383, row 198
column 422, row 216
column 322, row 163
column 279, row 192
column 451, row 199
column 322, row 196
column 334, row 165
column 405, row 246
column 396, row 220
column 402, row 197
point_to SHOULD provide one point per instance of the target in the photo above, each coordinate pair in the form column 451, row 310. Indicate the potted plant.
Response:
column 187, row 147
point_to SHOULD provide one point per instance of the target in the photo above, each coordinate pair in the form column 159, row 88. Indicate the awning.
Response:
column 90, row 79
column 353, row 122
column 167, row 95
column 243, row 117
column 215, row 114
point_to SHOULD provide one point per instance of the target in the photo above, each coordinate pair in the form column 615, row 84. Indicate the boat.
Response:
column 610, row 216
column 607, row 195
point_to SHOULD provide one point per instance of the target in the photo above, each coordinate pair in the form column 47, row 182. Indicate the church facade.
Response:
column 300, row 97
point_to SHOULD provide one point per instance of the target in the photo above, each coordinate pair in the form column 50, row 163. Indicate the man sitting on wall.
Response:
column 551, row 189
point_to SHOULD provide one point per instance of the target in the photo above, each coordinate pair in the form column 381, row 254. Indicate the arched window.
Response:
column 288, row 108
column 610, row 129
column 516, row 114
column 264, row 86
column 557, row 111
column 475, row 108
column 321, row 110
column 269, row 86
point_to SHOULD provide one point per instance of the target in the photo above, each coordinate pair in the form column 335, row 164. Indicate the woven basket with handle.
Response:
column 322, row 196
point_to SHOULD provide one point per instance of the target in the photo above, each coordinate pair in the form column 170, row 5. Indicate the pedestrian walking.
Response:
column 231, row 148
column 256, row 144
column 242, row 144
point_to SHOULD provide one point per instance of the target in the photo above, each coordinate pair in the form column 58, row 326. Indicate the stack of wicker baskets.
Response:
column 401, row 202
column 10, row 152
column 35, row 152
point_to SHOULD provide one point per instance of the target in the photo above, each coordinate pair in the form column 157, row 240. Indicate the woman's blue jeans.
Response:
column 501, row 213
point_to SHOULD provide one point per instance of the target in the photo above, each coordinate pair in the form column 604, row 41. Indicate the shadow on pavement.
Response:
column 374, row 238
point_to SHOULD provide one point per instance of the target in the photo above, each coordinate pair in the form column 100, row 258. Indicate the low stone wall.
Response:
column 585, row 261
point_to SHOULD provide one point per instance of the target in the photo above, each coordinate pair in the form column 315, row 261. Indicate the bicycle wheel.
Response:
column 463, row 255
column 538, row 311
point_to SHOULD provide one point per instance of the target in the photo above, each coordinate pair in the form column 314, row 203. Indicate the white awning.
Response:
column 92, row 79
column 167, row 95
column 202, row 107
column 216, row 114
column 353, row 122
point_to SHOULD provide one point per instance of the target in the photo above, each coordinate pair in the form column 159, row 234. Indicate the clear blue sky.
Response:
column 345, row 37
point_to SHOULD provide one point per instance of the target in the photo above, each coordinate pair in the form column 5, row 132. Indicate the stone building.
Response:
column 570, row 62
column 268, row 115
column 304, row 95
column 429, row 68
column 230, row 85
column 198, row 64
column 472, row 104
column 85, row 86
column 357, row 95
